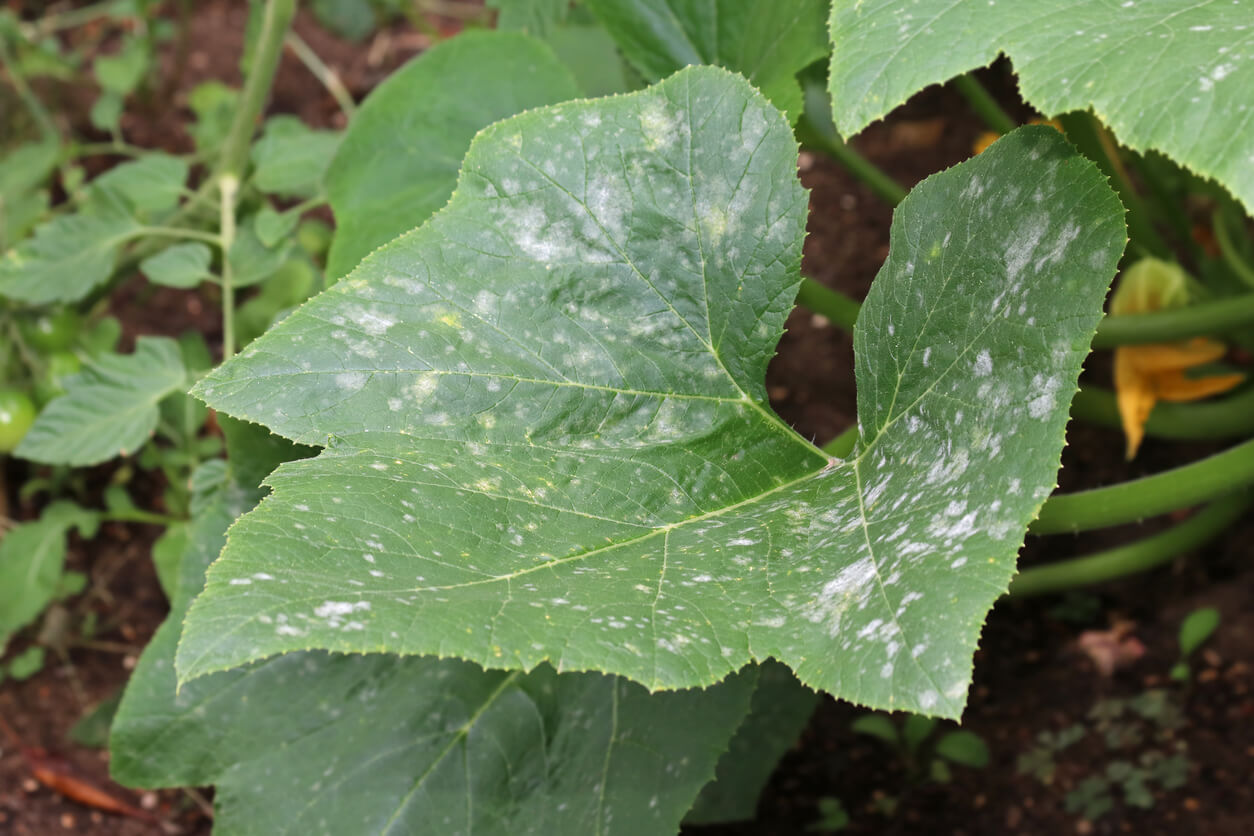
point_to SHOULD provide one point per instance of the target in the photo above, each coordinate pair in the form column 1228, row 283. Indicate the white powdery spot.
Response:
column 1023, row 244
column 659, row 126
column 373, row 322
column 983, row 364
column 350, row 381
column 850, row 586
column 1046, row 398
column 335, row 611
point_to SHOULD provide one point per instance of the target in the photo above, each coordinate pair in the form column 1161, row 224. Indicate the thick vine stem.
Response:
column 838, row 308
column 1182, row 487
column 1200, row 319
column 1136, row 557
column 842, row 445
column 1230, row 417
column 983, row 103
column 274, row 25
column 825, row 139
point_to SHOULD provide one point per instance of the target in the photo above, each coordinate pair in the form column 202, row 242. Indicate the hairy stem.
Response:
column 1228, row 249
column 1230, row 417
column 274, row 25
column 1136, row 557
column 983, row 103
column 1181, row 487
column 37, row 110
column 329, row 78
column 228, row 188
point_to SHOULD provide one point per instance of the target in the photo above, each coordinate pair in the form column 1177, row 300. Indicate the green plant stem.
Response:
column 1144, row 554
column 1228, row 249
column 329, row 78
column 842, row 445
column 836, row 306
column 180, row 232
column 827, row 141
column 1181, row 487
column 985, row 106
column 1091, row 138
column 37, row 110
column 228, row 187
column 1200, row 319
column 68, row 19
column 1230, row 417
column 275, row 22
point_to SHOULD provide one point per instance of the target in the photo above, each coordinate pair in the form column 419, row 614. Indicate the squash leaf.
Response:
column 546, row 428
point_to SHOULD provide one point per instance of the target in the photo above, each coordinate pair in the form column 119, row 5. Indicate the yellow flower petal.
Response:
column 1134, row 395
column 1174, row 386
column 1162, row 357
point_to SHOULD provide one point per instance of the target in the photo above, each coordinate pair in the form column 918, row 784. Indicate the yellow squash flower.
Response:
column 1146, row 374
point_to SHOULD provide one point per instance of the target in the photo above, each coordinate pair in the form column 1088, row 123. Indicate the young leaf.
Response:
column 1196, row 629
column 110, row 408
column 32, row 556
column 769, row 43
column 552, row 440
column 1167, row 76
column 182, row 265
column 151, row 184
column 290, row 158
column 878, row 725
column 378, row 744
column 378, row 186
column 67, row 257
column 251, row 260
column 963, row 747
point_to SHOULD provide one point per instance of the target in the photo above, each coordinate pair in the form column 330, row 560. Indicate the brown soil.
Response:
column 1029, row 677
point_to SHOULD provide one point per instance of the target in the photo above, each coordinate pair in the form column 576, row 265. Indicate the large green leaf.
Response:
column 1172, row 75
column 32, row 557
column 313, row 743
column 399, row 159
column 110, row 408
column 548, row 431
column 768, row 43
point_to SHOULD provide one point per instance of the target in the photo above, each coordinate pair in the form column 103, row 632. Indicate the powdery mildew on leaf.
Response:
column 547, row 432
column 1168, row 75
column 318, row 743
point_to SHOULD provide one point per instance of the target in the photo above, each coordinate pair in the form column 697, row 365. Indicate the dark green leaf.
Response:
column 399, row 159
column 768, row 43
column 780, row 709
